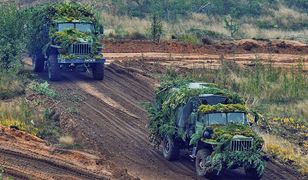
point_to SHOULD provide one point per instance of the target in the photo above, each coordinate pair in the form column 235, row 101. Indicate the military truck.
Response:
column 211, row 124
column 66, row 37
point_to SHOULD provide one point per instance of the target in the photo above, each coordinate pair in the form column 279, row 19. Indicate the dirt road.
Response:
column 112, row 121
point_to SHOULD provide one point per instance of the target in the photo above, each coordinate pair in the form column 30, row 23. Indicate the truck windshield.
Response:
column 223, row 118
column 65, row 26
column 83, row 27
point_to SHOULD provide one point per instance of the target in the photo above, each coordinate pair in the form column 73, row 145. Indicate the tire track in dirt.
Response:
column 120, row 132
column 105, row 128
column 39, row 167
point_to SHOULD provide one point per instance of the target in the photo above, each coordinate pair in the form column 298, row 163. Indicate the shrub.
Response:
column 43, row 89
column 188, row 38
column 13, row 36
column 201, row 33
column 49, row 126
column 137, row 36
column 120, row 33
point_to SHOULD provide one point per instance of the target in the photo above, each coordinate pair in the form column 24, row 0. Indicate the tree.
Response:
column 156, row 28
column 231, row 25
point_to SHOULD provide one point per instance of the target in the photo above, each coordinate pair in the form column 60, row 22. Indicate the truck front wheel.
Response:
column 98, row 71
column 171, row 150
column 253, row 173
column 202, row 163
column 53, row 68
column 38, row 63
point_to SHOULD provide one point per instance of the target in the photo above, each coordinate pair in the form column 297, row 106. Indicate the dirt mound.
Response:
column 241, row 46
column 25, row 156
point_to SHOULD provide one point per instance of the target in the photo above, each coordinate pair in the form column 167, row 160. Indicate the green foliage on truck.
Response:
column 67, row 36
column 209, row 121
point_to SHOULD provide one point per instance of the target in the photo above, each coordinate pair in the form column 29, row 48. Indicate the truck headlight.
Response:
column 207, row 134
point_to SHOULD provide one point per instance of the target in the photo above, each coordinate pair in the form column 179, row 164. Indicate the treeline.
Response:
column 172, row 9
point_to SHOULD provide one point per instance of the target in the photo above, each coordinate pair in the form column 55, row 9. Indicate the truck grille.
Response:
column 241, row 144
column 81, row 49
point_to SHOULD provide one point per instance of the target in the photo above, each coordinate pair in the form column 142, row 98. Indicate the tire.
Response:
column 201, row 163
column 98, row 71
column 253, row 173
column 171, row 150
column 38, row 63
column 53, row 68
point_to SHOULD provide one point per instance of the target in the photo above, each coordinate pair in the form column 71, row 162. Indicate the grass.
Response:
column 19, row 114
column 1, row 173
column 66, row 141
column 286, row 152
column 11, row 85
column 30, row 115
column 281, row 23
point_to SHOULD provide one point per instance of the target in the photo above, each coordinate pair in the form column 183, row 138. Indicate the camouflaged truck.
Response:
column 214, row 129
column 66, row 37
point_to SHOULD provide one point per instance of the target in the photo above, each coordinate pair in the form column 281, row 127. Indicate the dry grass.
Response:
column 17, row 113
column 66, row 141
column 286, row 152
column 283, row 16
column 129, row 24
column 252, row 31
column 10, row 86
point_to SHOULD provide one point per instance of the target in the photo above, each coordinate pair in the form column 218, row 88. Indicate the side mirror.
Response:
column 101, row 29
column 256, row 118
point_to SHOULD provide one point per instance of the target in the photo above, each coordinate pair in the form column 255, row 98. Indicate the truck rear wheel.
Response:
column 171, row 150
column 98, row 71
column 53, row 68
column 38, row 63
column 202, row 163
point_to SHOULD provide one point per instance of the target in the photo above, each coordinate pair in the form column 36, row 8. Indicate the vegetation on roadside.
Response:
column 267, row 19
column 42, row 89
column 31, row 116
column 17, row 111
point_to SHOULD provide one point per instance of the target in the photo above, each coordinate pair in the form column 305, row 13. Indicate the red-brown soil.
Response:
column 228, row 47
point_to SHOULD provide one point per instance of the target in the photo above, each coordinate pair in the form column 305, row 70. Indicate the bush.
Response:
column 189, row 38
column 43, row 89
column 137, row 36
column 13, row 36
column 202, row 33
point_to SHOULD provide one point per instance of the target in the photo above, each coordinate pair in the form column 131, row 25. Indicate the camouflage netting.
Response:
column 222, row 108
column 44, row 18
column 168, row 99
column 222, row 158
column 163, row 122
